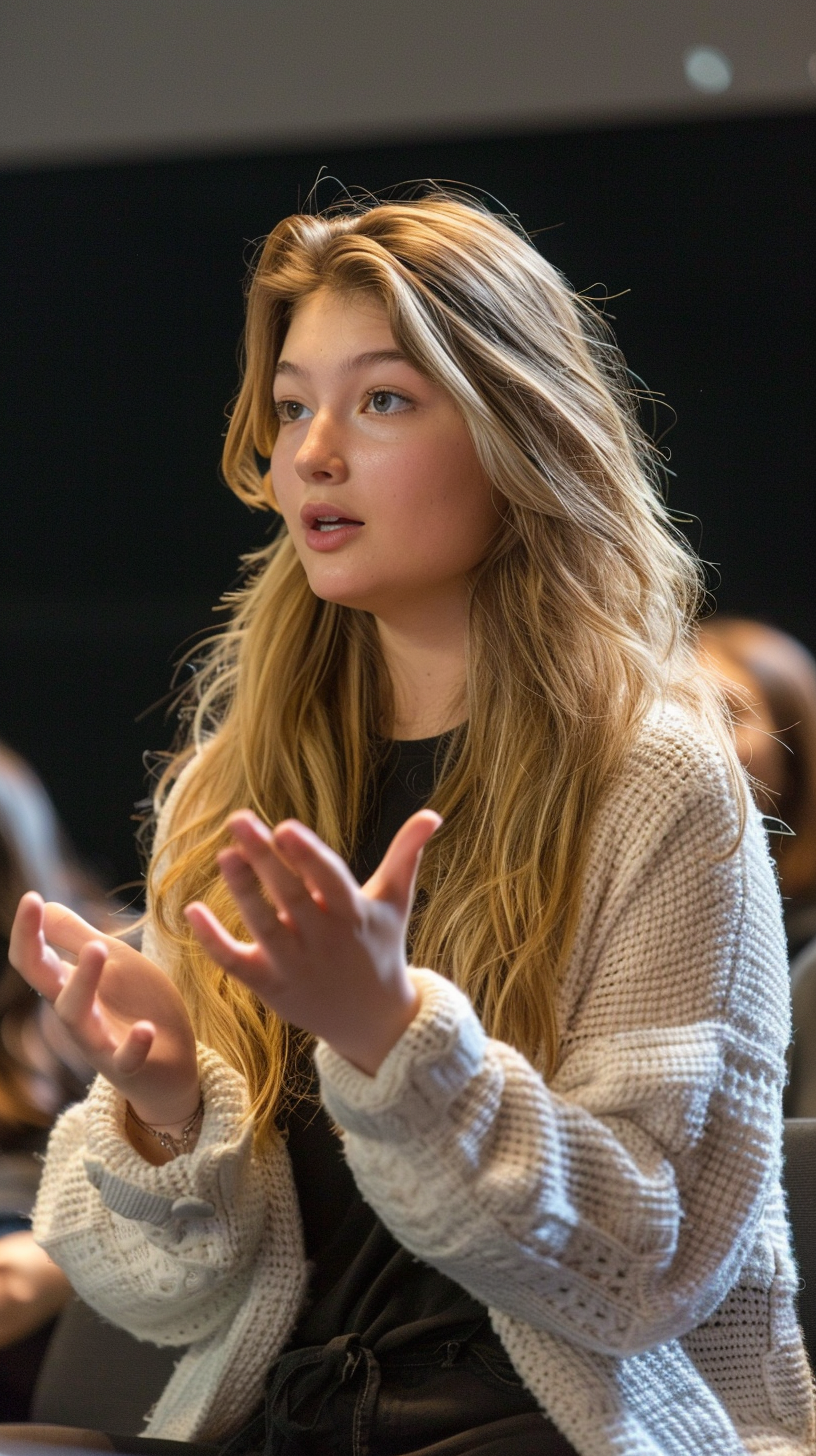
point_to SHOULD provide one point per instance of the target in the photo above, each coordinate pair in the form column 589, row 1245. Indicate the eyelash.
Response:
column 391, row 394
column 280, row 405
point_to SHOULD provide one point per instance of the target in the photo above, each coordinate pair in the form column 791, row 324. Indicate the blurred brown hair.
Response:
column 779, row 674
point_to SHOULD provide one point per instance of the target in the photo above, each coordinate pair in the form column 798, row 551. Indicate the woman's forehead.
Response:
column 343, row 330
column 335, row 308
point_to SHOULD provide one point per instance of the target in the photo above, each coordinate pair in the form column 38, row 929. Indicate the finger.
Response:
column 394, row 879
column 131, row 1054
column 281, row 880
column 76, row 1003
column 292, row 890
column 328, row 880
column 29, row 953
column 67, row 930
column 262, row 919
column 246, row 961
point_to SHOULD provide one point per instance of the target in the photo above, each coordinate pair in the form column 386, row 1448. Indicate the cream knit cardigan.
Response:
column 623, row 1222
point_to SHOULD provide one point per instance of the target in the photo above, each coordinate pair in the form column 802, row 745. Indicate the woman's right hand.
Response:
column 124, row 1014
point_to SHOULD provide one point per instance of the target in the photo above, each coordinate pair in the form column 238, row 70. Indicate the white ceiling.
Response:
column 84, row 79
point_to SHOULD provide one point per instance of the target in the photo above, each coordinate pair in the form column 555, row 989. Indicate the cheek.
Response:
column 280, row 460
column 469, row 507
column 457, row 485
column 283, row 478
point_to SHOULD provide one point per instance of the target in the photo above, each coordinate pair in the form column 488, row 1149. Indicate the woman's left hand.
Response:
column 327, row 955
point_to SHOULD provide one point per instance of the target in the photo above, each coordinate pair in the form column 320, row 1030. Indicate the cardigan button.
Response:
column 192, row 1208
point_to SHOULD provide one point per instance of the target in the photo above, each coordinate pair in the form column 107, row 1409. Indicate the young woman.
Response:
column 532, row 1203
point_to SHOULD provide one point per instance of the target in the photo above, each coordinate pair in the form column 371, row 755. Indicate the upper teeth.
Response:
column 328, row 518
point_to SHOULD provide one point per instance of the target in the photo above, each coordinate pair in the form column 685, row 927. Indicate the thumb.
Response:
column 394, row 879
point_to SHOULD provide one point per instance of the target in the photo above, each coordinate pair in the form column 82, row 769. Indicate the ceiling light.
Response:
column 707, row 69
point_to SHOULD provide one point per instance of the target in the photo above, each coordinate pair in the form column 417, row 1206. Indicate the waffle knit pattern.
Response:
column 623, row 1222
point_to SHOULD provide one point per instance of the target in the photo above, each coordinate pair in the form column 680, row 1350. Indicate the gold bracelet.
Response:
column 174, row 1145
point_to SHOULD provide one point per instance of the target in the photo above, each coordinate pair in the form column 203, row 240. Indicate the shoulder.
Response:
column 677, row 771
column 677, row 841
column 681, row 752
column 681, row 802
column 680, row 912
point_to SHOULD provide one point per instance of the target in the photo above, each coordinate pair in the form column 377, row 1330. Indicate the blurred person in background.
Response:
column 40, row 1074
column 771, row 684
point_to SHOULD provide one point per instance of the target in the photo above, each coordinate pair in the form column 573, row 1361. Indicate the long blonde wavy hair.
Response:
column 579, row 622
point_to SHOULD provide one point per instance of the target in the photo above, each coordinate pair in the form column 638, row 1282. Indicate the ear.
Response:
column 266, row 485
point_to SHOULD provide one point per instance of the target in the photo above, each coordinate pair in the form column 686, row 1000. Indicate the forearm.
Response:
column 574, row 1220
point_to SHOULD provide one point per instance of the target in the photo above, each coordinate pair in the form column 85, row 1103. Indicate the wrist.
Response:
column 368, row 1055
column 163, row 1141
column 167, row 1113
column 162, row 1125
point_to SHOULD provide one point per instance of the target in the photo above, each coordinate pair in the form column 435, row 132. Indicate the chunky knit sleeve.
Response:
column 204, row 1252
column 616, row 1204
column 166, row 1252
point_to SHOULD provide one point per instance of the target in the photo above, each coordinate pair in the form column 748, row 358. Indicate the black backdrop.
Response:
column 121, row 311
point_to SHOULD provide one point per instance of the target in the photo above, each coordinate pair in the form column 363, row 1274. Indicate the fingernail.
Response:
column 256, row 825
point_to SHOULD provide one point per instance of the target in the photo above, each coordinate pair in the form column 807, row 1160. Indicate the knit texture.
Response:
column 624, row 1222
column 204, row 1251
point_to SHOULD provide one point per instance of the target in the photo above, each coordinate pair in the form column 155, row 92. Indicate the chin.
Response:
column 340, row 596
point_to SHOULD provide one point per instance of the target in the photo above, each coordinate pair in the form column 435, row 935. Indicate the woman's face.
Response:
column 373, row 468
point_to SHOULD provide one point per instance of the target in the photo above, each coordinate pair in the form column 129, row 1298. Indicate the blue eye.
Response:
column 382, row 401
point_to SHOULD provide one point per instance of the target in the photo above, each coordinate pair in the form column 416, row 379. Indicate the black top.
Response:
column 385, row 1343
column 362, row 1278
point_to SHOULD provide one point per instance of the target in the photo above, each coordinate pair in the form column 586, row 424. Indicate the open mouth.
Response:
column 333, row 523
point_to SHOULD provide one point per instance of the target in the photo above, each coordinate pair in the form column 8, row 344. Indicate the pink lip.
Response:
column 310, row 512
column 328, row 540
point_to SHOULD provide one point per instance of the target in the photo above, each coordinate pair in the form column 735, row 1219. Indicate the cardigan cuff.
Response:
column 136, row 1189
column 425, row 1071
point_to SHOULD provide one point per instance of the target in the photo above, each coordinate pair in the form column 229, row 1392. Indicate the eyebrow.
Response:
column 358, row 361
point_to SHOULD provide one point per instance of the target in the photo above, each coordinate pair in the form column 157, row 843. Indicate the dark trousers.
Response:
column 429, row 1398
column 433, row 1399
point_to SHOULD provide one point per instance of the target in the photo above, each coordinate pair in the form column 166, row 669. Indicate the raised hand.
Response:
column 326, row 955
column 124, row 1014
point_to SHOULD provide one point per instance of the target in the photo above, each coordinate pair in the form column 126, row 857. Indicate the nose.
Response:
column 320, row 457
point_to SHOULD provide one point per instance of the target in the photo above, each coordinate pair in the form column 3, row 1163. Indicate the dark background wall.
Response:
column 122, row 308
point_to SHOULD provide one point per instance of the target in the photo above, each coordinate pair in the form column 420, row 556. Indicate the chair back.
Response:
column 800, row 1182
column 800, row 1093
column 97, row 1376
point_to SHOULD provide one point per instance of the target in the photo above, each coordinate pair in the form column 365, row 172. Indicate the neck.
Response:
column 426, row 664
